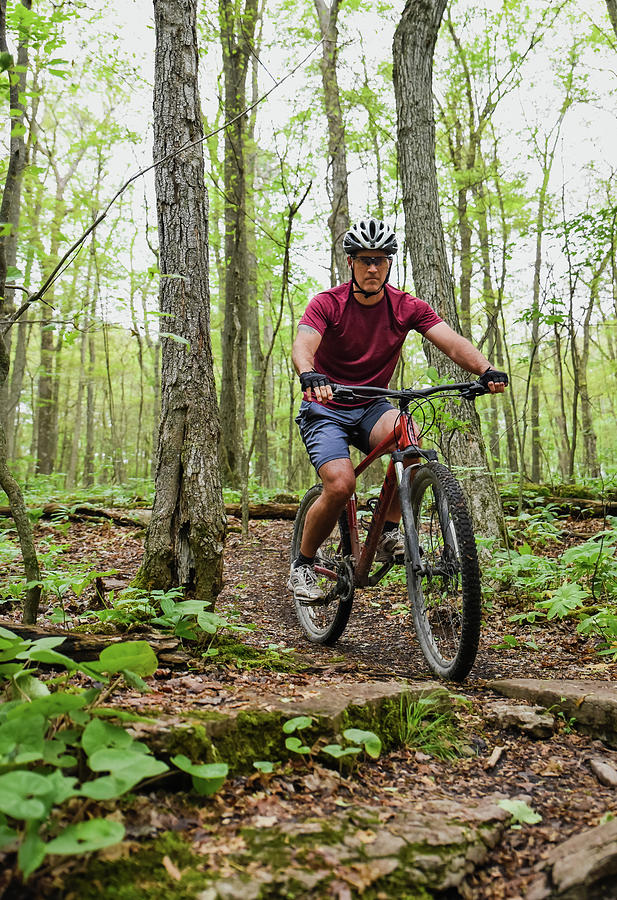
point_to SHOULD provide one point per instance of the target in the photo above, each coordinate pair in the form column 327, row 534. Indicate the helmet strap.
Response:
column 369, row 293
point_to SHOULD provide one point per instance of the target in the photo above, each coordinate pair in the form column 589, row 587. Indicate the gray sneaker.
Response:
column 304, row 584
column 391, row 545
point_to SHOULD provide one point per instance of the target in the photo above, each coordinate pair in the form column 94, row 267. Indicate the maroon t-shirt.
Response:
column 361, row 344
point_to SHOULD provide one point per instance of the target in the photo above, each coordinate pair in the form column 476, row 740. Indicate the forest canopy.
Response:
column 524, row 98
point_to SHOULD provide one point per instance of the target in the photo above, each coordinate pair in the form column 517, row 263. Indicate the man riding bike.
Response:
column 354, row 334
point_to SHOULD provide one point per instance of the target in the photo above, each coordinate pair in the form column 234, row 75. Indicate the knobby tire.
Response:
column 445, row 595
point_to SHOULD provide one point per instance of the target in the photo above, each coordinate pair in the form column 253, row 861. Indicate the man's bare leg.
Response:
column 339, row 483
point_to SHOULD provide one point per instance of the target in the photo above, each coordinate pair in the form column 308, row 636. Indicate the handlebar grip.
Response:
column 342, row 393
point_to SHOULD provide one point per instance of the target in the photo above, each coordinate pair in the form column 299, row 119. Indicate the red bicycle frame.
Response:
column 403, row 435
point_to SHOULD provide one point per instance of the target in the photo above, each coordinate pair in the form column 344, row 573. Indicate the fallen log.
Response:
column 577, row 507
column 85, row 647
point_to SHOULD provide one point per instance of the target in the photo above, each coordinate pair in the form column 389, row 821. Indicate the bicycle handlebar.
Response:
column 468, row 390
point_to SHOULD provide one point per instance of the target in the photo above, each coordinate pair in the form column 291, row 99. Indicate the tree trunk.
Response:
column 414, row 44
column 11, row 197
column 237, row 33
column 184, row 542
column 611, row 5
column 336, row 181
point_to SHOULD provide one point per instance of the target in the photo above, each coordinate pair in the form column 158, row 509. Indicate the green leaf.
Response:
column 22, row 739
column 368, row 739
column 98, row 734
column 12, row 273
column 27, row 686
column 20, row 794
column 31, row 851
column 264, row 765
column 6, row 61
column 127, row 764
column 297, row 724
column 296, row 746
column 85, row 837
column 520, row 812
column 337, row 751
column 207, row 777
column 137, row 656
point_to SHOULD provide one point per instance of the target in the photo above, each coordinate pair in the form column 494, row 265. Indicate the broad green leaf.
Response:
column 22, row 739
column 127, row 764
column 264, row 765
column 368, row 739
column 52, row 705
column 31, row 851
column 297, row 724
column 84, row 837
column 107, row 787
column 520, row 812
column 137, row 656
column 296, row 746
column 337, row 751
column 207, row 777
column 6, row 61
column 98, row 734
column 50, row 658
column 20, row 794
column 27, row 686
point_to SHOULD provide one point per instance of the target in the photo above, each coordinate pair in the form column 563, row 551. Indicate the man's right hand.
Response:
column 316, row 385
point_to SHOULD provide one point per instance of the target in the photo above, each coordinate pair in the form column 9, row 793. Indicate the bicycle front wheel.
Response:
column 444, row 585
column 324, row 623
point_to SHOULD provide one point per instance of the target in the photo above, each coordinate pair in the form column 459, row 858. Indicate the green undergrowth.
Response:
column 62, row 750
column 578, row 583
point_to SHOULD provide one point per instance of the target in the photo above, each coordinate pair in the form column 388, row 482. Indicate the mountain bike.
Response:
column 441, row 560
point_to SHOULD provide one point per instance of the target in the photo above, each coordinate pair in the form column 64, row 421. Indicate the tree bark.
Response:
column 336, row 181
column 414, row 44
column 237, row 33
column 611, row 5
column 11, row 197
column 184, row 542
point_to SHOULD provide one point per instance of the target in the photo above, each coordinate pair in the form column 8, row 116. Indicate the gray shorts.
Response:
column 327, row 433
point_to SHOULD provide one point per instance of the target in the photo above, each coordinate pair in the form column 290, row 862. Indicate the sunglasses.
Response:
column 368, row 261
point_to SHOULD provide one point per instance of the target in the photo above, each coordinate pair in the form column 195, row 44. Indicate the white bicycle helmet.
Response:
column 370, row 234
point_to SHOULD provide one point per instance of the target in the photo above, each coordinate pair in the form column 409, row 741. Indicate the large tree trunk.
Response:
column 414, row 44
column 184, row 542
column 611, row 5
column 336, row 181
column 9, row 207
column 237, row 33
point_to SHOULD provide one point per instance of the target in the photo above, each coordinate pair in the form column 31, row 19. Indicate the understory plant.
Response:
column 581, row 584
column 426, row 725
column 58, row 749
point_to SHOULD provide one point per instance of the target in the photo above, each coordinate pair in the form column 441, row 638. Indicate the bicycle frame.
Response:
column 403, row 436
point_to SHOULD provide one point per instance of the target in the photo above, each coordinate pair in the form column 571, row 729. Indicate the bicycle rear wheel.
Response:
column 325, row 623
column 444, row 589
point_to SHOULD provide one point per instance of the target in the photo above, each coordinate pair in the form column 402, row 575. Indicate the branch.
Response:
column 38, row 295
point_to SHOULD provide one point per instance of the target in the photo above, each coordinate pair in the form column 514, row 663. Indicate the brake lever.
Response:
column 475, row 389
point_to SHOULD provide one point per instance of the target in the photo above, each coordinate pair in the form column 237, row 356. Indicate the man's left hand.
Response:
column 494, row 380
